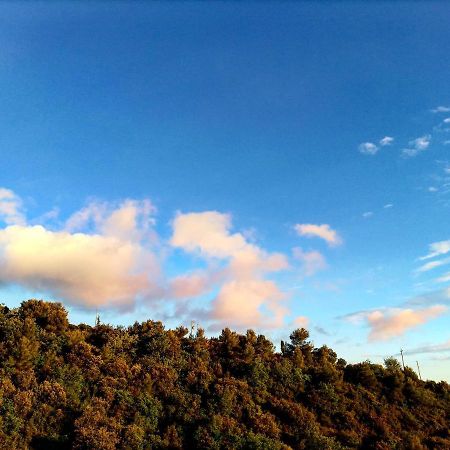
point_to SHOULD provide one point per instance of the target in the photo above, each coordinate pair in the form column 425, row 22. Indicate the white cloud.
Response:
column 368, row 148
column 421, row 143
column 312, row 262
column 86, row 270
column 441, row 109
column 385, row 324
column 241, row 304
column 387, row 140
column 246, row 298
column 417, row 146
column 432, row 265
column 444, row 278
column 367, row 214
column 191, row 285
column 323, row 231
column 109, row 266
column 432, row 189
column 388, row 205
column 11, row 208
column 129, row 220
column 207, row 233
column 109, row 255
column 447, row 120
column 437, row 249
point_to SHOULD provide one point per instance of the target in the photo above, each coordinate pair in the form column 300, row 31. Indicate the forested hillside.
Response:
column 144, row 387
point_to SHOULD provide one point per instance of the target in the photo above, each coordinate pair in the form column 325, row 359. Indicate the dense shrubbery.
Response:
column 143, row 387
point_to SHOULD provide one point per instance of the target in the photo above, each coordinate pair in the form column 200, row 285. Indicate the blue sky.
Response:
column 127, row 128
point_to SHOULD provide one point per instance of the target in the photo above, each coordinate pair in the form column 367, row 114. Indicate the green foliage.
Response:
column 144, row 387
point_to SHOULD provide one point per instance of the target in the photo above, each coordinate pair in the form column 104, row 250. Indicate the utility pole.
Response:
column 193, row 324
column 418, row 369
column 403, row 362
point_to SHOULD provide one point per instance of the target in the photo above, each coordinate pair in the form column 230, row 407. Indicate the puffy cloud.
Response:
column 132, row 219
column 437, row 249
column 112, row 265
column 368, row 148
column 389, row 323
column 11, row 208
column 190, row 285
column 447, row 120
column 105, row 255
column 417, row 145
column 387, row 140
column 323, row 231
column 312, row 262
column 86, row 270
column 206, row 233
column 245, row 297
column 241, row 304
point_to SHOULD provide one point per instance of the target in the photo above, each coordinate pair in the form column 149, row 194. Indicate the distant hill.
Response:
column 66, row 386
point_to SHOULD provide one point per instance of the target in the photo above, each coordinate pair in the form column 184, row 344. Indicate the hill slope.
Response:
column 143, row 387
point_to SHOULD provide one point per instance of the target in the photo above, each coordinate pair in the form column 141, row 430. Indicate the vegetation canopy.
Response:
column 65, row 386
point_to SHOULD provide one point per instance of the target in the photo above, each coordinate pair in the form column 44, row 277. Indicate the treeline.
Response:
column 66, row 386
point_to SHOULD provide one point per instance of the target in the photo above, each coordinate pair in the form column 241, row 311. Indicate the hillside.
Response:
column 144, row 387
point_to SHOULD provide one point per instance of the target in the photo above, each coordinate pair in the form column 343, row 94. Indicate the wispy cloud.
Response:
column 431, row 348
column 438, row 296
column 11, row 208
column 444, row 278
column 323, row 231
column 440, row 109
column 321, row 330
column 367, row 214
column 437, row 249
column 388, row 205
column 312, row 262
column 417, row 146
column 432, row 265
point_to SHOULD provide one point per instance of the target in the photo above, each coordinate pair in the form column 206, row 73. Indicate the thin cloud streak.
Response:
column 437, row 249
